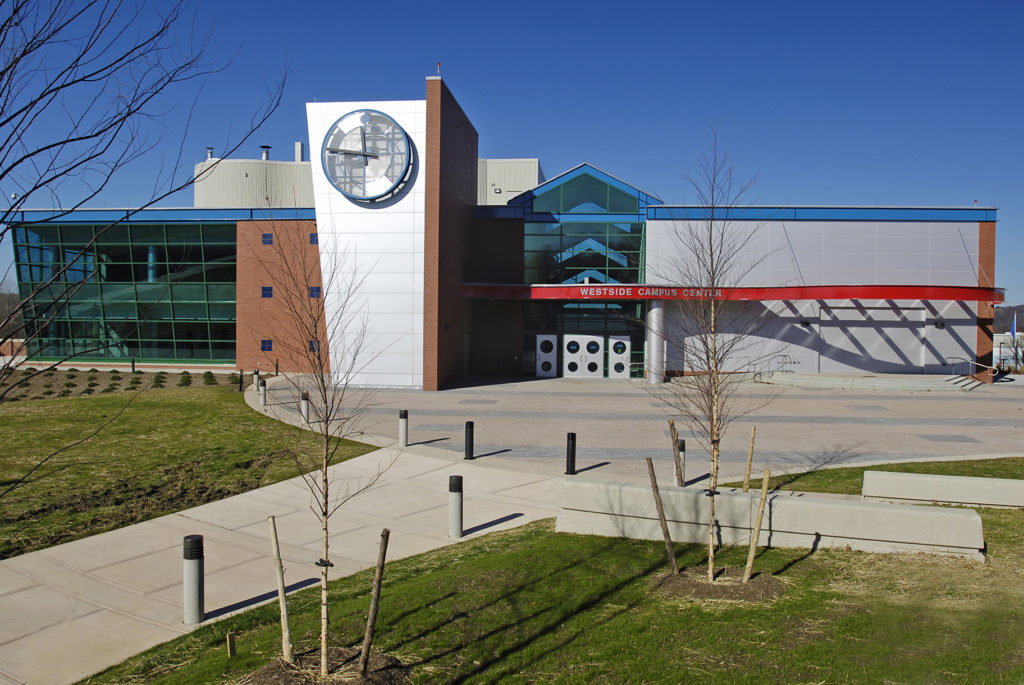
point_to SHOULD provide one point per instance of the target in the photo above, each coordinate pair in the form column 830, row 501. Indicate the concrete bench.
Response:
column 961, row 490
column 619, row 509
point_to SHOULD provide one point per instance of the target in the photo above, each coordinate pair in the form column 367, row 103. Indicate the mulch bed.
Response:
column 383, row 669
column 693, row 583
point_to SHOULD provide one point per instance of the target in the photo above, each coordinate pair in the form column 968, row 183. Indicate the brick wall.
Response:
column 986, row 310
column 290, row 318
column 451, row 180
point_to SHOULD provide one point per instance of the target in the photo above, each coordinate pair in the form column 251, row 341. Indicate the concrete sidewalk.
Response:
column 72, row 610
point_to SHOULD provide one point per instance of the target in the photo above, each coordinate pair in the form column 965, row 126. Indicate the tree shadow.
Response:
column 803, row 557
column 814, row 462
column 555, row 623
column 508, row 595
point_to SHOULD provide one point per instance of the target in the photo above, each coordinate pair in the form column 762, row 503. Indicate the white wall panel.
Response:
column 384, row 241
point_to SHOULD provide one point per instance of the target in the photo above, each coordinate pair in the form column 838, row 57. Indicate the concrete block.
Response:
column 960, row 490
column 792, row 519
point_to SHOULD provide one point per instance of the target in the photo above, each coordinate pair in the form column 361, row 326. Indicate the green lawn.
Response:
column 530, row 605
column 848, row 481
column 170, row 449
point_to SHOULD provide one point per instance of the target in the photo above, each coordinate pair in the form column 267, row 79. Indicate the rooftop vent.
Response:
column 264, row 152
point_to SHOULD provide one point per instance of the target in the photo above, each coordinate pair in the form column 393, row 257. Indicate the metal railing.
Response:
column 957, row 361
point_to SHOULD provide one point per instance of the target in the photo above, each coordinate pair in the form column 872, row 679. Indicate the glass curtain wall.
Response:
column 579, row 248
column 160, row 292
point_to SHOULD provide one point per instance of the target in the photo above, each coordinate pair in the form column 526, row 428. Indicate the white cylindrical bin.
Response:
column 455, row 507
column 403, row 428
column 305, row 407
column 194, row 600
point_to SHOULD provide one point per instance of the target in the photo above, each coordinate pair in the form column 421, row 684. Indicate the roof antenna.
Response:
column 438, row 68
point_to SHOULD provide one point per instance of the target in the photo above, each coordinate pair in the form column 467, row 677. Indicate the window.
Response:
column 268, row 238
column 268, row 291
column 314, row 239
column 314, row 345
column 314, row 291
column 266, row 345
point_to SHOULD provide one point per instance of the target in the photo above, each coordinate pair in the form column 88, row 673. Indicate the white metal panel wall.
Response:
column 383, row 244
column 833, row 253
column 248, row 183
column 500, row 180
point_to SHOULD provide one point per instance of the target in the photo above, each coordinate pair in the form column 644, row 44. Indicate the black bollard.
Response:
column 275, row 366
column 469, row 440
column 570, row 454
column 133, row 363
column 241, row 380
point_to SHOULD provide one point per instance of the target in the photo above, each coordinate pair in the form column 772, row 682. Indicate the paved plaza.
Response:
column 808, row 422
column 74, row 609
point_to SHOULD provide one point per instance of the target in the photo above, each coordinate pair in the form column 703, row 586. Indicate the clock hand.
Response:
column 340, row 151
column 362, row 132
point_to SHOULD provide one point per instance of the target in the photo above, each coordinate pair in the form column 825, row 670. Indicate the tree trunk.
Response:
column 286, row 634
column 669, row 549
column 325, row 560
column 371, row 619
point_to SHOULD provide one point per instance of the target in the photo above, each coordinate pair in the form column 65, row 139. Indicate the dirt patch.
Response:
column 693, row 584
column 134, row 499
column 383, row 669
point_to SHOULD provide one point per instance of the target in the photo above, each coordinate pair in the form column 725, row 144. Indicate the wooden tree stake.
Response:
column 757, row 526
column 371, row 619
column 661, row 518
column 750, row 459
column 231, row 644
column 286, row 633
column 680, row 466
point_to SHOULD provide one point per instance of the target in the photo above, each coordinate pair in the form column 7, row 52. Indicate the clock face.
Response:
column 366, row 155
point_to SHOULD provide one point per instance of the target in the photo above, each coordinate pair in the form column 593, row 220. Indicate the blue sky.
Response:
column 826, row 103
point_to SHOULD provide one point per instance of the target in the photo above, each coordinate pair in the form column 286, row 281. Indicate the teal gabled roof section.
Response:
column 624, row 202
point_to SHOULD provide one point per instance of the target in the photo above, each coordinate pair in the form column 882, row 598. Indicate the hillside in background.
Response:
column 1004, row 317
column 8, row 304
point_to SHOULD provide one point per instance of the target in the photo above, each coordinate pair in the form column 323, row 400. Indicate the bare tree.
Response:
column 85, row 88
column 321, row 349
column 712, row 338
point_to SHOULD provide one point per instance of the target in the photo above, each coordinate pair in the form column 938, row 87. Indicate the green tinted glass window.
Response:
column 550, row 201
column 585, row 194
column 184, row 234
column 214, row 233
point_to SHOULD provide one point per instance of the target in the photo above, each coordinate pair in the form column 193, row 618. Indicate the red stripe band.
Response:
column 955, row 293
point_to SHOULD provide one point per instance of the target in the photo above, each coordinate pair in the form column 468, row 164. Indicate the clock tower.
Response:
column 394, row 192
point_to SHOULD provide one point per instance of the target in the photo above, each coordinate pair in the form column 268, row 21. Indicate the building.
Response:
column 472, row 267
